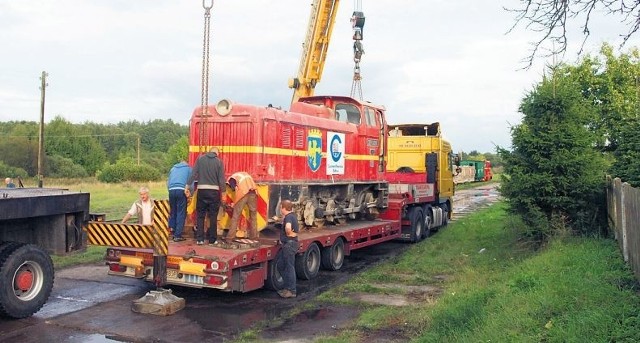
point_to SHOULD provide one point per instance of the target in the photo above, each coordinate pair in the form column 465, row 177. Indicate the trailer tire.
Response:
column 333, row 256
column 428, row 221
column 8, row 247
column 308, row 263
column 417, row 224
column 28, row 274
column 274, row 280
column 445, row 215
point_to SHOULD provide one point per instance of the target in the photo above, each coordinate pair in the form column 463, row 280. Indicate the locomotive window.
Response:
column 353, row 114
column 370, row 116
column 341, row 115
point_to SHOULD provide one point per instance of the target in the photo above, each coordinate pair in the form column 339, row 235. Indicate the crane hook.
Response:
column 207, row 6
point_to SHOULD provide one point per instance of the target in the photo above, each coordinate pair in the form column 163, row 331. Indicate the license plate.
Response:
column 172, row 273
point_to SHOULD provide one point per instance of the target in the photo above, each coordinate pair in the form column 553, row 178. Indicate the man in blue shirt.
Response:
column 178, row 177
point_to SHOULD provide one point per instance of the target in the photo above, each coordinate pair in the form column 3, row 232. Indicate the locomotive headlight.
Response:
column 223, row 107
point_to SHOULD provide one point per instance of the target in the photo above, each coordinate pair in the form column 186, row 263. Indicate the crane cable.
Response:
column 357, row 23
column 204, row 137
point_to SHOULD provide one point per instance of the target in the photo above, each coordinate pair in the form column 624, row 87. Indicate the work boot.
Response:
column 285, row 293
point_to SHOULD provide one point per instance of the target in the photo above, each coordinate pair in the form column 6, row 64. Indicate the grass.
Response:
column 572, row 290
column 113, row 200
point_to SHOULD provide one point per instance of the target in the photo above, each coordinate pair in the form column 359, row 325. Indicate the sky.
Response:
column 443, row 61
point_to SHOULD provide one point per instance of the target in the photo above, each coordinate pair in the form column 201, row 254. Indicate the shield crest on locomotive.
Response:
column 314, row 149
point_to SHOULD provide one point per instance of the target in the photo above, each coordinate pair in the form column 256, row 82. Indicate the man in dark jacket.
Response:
column 208, row 172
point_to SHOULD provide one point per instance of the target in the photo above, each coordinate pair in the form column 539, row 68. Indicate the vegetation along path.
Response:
column 476, row 281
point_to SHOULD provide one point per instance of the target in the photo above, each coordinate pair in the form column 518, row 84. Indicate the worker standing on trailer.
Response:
column 178, row 177
column 286, row 258
column 244, row 194
column 208, row 172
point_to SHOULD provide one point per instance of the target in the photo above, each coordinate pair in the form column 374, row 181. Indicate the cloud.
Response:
column 118, row 60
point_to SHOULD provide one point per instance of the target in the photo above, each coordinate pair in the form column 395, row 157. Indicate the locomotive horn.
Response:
column 224, row 106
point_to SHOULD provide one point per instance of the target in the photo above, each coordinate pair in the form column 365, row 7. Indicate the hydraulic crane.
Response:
column 315, row 47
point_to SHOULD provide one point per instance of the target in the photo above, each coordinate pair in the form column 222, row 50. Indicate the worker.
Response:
column 244, row 194
column 9, row 182
column 178, row 177
column 208, row 172
column 286, row 257
column 143, row 208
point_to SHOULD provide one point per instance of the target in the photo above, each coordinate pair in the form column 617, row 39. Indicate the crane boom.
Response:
column 314, row 49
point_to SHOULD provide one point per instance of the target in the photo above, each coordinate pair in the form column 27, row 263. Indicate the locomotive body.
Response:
column 326, row 154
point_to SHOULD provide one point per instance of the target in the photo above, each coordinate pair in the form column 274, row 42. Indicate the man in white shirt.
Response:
column 142, row 208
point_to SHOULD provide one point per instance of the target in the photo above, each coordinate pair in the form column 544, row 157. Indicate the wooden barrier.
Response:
column 623, row 212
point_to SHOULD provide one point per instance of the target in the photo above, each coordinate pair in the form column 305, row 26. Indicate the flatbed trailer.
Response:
column 250, row 265
column 36, row 222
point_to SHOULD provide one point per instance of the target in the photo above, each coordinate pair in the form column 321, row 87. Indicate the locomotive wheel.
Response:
column 333, row 256
column 428, row 221
column 28, row 274
column 417, row 224
column 331, row 206
column 309, row 213
column 308, row 264
column 274, row 281
column 371, row 213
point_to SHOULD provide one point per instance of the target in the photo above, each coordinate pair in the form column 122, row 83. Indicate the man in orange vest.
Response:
column 245, row 194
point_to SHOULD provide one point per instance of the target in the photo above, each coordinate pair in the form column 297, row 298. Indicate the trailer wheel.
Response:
column 417, row 224
column 333, row 256
column 445, row 215
column 28, row 274
column 8, row 247
column 274, row 280
column 428, row 221
column 308, row 264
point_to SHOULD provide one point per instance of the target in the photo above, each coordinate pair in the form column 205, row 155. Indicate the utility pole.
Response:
column 138, row 148
column 43, row 86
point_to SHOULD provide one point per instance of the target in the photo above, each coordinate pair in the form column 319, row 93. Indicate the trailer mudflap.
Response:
column 160, row 302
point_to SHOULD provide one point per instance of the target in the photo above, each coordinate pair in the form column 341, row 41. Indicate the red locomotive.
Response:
column 326, row 154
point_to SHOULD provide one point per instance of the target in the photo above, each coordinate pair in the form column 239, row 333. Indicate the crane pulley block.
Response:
column 357, row 21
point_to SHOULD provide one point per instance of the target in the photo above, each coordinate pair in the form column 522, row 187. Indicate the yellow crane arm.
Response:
column 314, row 49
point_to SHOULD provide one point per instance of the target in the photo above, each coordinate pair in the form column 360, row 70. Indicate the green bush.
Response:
column 62, row 167
column 127, row 170
column 554, row 178
column 12, row 172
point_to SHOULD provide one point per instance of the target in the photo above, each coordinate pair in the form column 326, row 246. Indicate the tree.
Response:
column 554, row 177
column 612, row 85
column 178, row 151
column 627, row 156
column 550, row 18
column 68, row 140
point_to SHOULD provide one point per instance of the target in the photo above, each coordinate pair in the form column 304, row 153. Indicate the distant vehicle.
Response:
column 473, row 171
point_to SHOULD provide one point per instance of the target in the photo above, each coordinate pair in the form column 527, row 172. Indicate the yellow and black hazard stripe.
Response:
column 161, row 214
column 154, row 236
